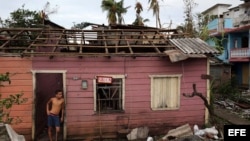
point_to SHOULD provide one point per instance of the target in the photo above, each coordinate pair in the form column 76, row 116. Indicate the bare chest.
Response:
column 57, row 102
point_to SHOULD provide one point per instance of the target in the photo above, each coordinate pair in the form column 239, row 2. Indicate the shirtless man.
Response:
column 57, row 105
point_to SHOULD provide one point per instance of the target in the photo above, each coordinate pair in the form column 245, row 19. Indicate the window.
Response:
column 110, row 97
column 165, row 92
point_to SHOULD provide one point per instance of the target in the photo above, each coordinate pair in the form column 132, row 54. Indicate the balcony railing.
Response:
column 240, row 53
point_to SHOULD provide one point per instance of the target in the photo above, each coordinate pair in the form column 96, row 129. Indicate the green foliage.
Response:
column 23, row 18
column 202, row 29
column 4, row 77
column 203, row 32
column 139, row 21
column 189, row 17
column 212, row 93
column 228, row 90
column 115, row 10
column 219, row 43
column 155, row 7
column 7, row 103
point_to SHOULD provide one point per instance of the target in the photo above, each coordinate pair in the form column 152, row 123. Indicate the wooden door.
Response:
column 46, row 85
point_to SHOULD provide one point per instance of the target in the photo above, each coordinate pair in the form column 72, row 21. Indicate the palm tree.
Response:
column 121, row 10
column 139, row 20
column 154, row 5
column 138, row 8
column 115, row 10
column 110, row 6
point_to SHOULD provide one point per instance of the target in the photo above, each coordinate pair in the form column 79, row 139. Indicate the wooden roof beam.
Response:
column 151, row 42
column 57, row 42
column 163, row 37
column 139, row 37
column 52, row 55
column 13, row 37
column 128, row 44
column 29, row 47
column 121, row 34
column 105, row 41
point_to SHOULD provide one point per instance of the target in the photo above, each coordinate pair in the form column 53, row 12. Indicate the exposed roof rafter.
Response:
column 103, row 42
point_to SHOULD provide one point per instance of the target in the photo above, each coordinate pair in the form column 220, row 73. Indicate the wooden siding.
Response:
column 84, row 123
column 21, row 81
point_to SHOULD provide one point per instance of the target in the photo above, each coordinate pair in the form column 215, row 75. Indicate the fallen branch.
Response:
column 206, row 103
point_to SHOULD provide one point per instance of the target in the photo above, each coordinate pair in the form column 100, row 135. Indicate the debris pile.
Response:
column 138, row 133
column 240, row 108
column 211, row 133
column 7, row 133
column 181, row 133
column 185, row 132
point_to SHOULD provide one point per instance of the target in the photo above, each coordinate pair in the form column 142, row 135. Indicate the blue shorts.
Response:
column 53, row 120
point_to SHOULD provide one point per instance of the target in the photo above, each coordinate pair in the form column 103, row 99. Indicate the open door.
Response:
column 45, row 86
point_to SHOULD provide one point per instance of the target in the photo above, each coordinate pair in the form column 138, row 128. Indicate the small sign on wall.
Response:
column 104, row 79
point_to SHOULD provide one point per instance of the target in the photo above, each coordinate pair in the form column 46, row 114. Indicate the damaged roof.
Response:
column 98, row 42
column 193, row 46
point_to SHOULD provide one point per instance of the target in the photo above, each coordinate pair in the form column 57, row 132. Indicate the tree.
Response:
column 23, row 18
column 202, row 29
column 115, row 10
column 139, row 20
column 121, row 11
column 154, row 5
column 47, row 11
column 189, row 20
column 109, row 6
column 8, row 102
column 1, row 22
column 208, row 105
column 203, row 32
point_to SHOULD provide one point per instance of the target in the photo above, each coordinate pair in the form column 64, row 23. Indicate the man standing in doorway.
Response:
column 53, row 111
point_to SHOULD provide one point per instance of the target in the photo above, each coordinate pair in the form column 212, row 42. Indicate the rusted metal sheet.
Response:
column 176, row 55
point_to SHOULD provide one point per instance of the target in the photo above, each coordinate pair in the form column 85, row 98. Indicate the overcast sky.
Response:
column 77, row 11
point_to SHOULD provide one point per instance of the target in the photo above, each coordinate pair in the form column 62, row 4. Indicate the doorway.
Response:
column 46, row 83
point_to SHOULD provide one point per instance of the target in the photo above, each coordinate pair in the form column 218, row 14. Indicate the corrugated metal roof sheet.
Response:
column 193, row 46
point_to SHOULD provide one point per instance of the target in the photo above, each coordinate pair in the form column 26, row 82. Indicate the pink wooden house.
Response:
column 111, row 79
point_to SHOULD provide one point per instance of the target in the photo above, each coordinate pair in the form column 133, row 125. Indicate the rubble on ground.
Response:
column 185, row 132
column 181, row 133
column 138, row 133
column 8, row 134
column 239, row 108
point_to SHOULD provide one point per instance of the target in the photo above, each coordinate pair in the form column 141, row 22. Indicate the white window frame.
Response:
column 178, row 76
column 123, row 90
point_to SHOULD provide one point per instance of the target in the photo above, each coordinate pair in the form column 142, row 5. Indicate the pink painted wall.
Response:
column 21, row 81
column 83, row 122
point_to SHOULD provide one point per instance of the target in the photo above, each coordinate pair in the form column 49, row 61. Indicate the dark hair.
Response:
column 57, row 91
